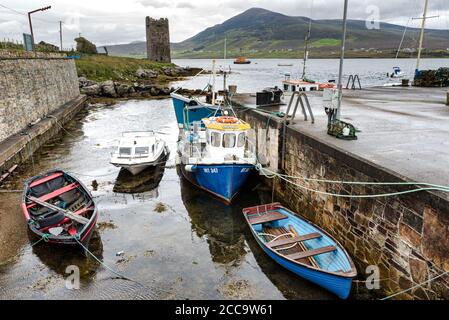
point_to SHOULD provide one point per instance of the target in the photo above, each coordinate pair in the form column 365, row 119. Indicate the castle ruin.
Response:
column 158, row 40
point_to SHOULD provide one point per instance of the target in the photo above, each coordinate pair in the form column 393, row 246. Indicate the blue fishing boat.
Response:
column 189, row 109
column 214, row 155
column 302, row 247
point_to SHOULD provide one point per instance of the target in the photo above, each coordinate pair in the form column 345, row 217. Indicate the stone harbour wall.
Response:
column 406, row 236
column 32, row 88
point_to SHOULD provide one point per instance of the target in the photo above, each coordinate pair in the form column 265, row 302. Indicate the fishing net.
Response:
column 432, row 78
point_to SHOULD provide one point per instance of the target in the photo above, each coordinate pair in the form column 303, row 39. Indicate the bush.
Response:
column 85, row 46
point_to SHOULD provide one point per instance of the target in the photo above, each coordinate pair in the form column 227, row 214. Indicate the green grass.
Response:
column 326, row 42
column 101, row 68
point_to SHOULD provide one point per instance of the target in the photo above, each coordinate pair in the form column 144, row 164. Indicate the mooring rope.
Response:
column 390, row 194
column 416, row 286
column 60, row 126
column 358, row 182
column 43, row 238
column 120, row 275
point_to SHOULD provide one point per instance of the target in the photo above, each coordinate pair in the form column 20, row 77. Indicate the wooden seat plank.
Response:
column 268, row 217
column 46, row 179
column 287, row 241
column 311, row 253
column 56, row 193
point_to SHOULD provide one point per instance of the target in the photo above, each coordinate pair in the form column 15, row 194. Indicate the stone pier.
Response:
column 404, row 138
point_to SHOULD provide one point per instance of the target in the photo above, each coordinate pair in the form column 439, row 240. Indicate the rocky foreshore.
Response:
column 149, row 84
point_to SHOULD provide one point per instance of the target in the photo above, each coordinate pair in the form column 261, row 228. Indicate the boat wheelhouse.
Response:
column 189, row 109
column 215, row 155
column 138, row 151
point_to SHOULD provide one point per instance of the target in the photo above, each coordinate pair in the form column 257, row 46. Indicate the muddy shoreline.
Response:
column 13, row 231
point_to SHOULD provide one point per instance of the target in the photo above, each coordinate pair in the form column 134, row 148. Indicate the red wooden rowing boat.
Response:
column 59, row 208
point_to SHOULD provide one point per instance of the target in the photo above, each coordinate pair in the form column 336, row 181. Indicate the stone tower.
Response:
column 158, row 40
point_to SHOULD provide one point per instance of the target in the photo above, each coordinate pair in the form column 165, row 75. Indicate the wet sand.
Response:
column 13, row 232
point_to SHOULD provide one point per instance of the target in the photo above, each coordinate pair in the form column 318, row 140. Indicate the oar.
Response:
column 67, row 213
column 303, row 247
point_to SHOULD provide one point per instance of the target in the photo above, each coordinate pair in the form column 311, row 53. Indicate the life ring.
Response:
column 225, row 119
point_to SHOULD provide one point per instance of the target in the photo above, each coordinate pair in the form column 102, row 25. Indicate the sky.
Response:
column 114, row 22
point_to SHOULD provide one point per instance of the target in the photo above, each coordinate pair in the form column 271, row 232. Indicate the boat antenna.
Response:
column 421, row 37
column 306, row 40
column 342, row 59
column 402, row 40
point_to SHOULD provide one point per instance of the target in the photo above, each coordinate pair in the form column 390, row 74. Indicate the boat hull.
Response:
column 194, row 113
column 222, row 181
column 333, row 269
column 340, row 286
column 83, row 235
column 135, row 169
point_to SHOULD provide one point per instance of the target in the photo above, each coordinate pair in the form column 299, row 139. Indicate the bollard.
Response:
column 447, row 99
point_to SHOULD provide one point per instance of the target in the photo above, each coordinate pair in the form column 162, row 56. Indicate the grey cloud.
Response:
column 157, row 4
column 123, row 21
column 185, row 5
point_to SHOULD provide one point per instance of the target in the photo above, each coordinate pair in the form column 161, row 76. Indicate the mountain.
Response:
column 262, row 33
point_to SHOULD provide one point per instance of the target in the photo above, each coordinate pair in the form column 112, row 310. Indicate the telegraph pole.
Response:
column 60, row 33
column 342, row 59
column 31, row 24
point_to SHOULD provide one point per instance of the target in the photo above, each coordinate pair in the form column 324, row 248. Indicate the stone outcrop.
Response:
column 146, row 74
column 111, row 89
column 146, row 87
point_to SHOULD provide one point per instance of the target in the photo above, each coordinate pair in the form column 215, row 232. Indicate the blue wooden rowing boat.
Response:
column 302, row 247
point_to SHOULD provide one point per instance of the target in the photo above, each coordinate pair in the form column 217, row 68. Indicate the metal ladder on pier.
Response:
column 301, row 99
column 353, row 80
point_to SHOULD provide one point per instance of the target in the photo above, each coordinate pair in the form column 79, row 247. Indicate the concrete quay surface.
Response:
column 405, row 130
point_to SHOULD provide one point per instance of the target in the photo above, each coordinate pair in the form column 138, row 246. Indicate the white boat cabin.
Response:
column 292, row 85
column 138, row 150
column 221, row 140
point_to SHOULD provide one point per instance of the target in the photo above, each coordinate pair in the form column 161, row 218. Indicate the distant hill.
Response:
column 262, row 33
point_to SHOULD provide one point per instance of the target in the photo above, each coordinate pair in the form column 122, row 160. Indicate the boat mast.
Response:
column 306, row 47
column 342, row 59
column 421, row 38
column 306, row 50
column 225, row 48
column 213, row 82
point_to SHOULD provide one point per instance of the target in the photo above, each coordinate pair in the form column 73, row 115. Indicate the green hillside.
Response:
column 260, row 33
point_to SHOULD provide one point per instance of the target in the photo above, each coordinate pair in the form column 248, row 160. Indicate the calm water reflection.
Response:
column 198, row 248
